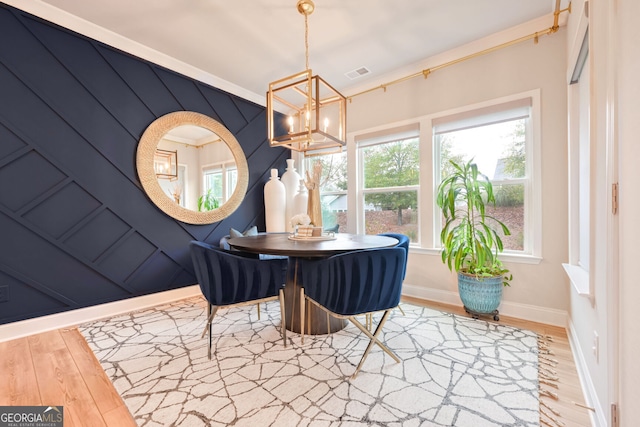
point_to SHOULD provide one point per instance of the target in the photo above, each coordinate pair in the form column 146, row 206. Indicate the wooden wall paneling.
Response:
column 71, row 206
column 186, row 92
column 81, row 59
column 11, row 148
column 142, row 80
column 79, row 228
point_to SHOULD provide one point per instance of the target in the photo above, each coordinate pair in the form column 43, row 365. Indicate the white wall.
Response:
column 628, row 62
column 538, row 292
column 615, row 377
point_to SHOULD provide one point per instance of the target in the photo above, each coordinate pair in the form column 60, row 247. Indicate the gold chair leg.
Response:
column 209, row 319
column 302, row 301
column 401, row 310
column 283, row 320
column 258, row 305
column 373, row 340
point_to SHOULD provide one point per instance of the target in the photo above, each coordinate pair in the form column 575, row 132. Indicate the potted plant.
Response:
column 471, row 240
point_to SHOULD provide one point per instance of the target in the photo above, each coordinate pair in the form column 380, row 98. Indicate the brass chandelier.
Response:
column 311, row 115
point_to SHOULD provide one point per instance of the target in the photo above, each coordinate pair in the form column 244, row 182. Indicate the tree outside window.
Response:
column 391, row 178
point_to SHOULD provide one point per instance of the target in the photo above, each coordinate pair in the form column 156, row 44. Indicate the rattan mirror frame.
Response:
column 144, row 165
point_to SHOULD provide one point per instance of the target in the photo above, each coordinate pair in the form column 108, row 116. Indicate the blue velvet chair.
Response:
column 403, row 242
column 224, row 244
column 229, row 279
column 355, row 283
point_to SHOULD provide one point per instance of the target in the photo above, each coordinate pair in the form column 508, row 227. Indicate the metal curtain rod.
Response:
column 425, row 73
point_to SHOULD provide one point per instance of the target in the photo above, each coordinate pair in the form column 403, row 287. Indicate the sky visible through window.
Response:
column 486, row 144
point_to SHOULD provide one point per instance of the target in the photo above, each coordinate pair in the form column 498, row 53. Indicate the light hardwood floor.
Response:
column 57, row 368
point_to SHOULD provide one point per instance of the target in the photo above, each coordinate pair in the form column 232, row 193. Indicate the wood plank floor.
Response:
column 58, row 368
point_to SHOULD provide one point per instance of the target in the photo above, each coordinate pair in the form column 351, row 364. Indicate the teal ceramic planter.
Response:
column 480, row 296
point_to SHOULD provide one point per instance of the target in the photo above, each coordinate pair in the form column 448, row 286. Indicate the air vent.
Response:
column 358, row 72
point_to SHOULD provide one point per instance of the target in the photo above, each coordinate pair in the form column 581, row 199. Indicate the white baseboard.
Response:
column 71, row 318
column 532, row 313
column 598, row 419
column 75, row 317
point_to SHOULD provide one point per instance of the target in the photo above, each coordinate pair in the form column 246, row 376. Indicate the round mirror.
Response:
column 192, row 167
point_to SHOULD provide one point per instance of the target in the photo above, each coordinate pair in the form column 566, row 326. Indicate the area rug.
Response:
column 455, row 371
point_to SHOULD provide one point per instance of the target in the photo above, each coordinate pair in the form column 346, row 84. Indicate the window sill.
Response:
column 579, row 278
column 504, row 257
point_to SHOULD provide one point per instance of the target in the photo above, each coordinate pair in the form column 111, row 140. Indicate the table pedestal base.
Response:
column 317, row 321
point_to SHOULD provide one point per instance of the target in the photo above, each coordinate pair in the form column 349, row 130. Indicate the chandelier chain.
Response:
column 306, row 40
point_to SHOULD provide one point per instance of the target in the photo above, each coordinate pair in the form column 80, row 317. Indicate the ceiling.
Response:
column 253, row 42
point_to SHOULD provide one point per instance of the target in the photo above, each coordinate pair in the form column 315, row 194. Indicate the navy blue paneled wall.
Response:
column 76, row 227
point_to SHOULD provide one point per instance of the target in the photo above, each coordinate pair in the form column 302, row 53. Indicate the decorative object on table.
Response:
column 449, row 357
column 291, row 180
column 301, row 200
column 308, row 231
column 470, row 241
column 317, row 113
column 275, row 202
column 302, row 228
column 300, row 219
column 314, row 209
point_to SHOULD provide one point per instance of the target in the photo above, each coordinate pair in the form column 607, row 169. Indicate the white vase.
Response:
column 275, row 200
column 300, row 200
column 290, row 179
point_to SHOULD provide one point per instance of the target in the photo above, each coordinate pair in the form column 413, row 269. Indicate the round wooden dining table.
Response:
column 295, row 248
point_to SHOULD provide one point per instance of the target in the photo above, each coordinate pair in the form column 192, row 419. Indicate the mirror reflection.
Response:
column 195, row 168
column 192, row 167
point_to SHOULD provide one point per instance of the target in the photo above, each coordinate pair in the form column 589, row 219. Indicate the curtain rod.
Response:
column 425, row 73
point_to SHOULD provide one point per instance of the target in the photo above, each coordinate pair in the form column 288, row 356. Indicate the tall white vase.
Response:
column 300, row 200
column 275, row 200
column 290, row 179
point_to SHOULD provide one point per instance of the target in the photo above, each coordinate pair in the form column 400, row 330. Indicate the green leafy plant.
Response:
column 207, row 202
column 471, row 243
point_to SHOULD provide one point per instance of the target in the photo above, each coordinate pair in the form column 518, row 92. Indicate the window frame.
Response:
column 223, row 169
column 370, row 141
column 428, row 241
column 579, row 61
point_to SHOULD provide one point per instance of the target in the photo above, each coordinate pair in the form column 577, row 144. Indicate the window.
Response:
column 333, row 188
column 232, row 180
column 219, row 181
column 496, row 138
column 389, row 177
column 394, row 171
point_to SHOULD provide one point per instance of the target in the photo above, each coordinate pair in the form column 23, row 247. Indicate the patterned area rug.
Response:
column 455, row 371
